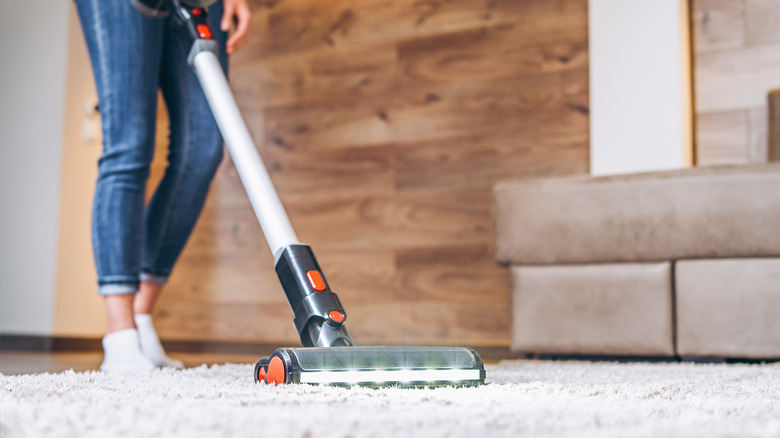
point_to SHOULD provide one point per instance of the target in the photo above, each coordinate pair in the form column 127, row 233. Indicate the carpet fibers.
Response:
column 523, row 398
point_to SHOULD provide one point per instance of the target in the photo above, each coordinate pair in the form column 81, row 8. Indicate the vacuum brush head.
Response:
column 373, row 366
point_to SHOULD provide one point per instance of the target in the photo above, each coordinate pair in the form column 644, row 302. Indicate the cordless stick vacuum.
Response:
column 329, row 355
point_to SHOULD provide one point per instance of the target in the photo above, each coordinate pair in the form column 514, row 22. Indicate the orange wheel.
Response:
column 261, row 374
column 276, row 372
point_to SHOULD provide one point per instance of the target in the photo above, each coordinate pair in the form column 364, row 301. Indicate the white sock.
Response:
column 150, row 343
column 122, row 353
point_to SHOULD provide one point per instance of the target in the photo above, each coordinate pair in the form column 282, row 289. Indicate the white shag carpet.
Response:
column 523, row 398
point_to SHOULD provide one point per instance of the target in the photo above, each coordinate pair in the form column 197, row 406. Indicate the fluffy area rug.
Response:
column 523, row 398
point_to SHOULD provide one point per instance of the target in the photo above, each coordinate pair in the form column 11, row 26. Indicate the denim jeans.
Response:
column 132, row 57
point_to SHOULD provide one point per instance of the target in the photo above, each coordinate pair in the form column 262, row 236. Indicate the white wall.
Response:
column 33, row 44
column 640, row 86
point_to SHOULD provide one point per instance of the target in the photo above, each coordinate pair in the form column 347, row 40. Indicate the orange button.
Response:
column 316, row 281
column 196, row 11
column 336, row 316
column 204, row 31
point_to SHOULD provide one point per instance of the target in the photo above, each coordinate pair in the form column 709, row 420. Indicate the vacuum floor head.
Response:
column 373, row 366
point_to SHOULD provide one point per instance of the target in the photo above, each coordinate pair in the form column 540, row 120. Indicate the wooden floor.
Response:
column 24, row 362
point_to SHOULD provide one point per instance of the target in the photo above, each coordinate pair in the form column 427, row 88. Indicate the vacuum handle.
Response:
column 262, row 195
column 319, row 315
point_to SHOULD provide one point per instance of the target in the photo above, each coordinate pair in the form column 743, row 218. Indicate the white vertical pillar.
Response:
column 33, row 48
column 640, row 86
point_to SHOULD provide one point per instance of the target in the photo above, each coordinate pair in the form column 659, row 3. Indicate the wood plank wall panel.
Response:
column 773, row 128
column 736, row 64
column 384, row 125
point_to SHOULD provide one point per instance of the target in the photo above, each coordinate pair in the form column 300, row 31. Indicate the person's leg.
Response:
column 119, row 312
column 194, row 155
column 195, row 152
column 147, row 295
column 125, row 50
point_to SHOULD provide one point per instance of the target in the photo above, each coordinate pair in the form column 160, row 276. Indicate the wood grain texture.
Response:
column 298, row 25
column 736, row 64
column 338, row 172
column 160, row 160
column 351, row 72
column 442, row 323
column 773, row 120
column 505, row 51
column 428, row 218
column 722, row 138
column 763, row 21
column 718, row 24
column 442, row 163
column 436, row 112
column 736, row 79
column 384, row 124
column 459, row 273
column 758, row 136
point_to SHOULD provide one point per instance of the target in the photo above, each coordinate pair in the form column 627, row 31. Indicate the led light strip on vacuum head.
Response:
column 373, row 366
column 355, row 377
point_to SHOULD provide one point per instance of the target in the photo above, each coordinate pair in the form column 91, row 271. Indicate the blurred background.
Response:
column 385, row 125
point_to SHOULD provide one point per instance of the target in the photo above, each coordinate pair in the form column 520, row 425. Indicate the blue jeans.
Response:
column 132, row 57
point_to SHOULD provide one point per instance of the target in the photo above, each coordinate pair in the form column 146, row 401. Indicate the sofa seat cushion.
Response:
column 693, row 213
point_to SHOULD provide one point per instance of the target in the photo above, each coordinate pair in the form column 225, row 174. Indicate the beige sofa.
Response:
column 680, row 263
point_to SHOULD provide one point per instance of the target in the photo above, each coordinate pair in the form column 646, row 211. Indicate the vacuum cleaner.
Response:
column 328, row 356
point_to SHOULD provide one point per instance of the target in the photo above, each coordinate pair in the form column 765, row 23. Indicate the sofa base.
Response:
column 605, row 309
column 728, row 308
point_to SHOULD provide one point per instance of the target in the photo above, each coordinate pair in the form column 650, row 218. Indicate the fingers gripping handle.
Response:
column 262, row 195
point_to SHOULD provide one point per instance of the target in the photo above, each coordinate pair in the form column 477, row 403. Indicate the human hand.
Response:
column 240, row 10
